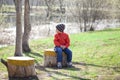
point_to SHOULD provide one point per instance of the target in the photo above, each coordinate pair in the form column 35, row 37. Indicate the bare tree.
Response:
column 62, row 9
column 18, row 46
column 118, row 9
column 1, row 2
column 79, row 16
column 1, row 17
column 2, row 10
column 119, row 4
column 55, row 10
column 27, row 28
column 88, row 11
column 49, row 11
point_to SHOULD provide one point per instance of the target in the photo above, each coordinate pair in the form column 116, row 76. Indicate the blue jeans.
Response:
column 59, row 51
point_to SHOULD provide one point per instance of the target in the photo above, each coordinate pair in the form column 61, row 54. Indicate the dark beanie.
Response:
column 60, row 27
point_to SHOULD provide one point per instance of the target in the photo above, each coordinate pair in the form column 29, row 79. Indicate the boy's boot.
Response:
column 59, row 65
column 69, row 64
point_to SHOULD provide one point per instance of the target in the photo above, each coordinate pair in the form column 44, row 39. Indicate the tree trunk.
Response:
column 27, row 28
column 1, row 3
column 85, row 26
column 50, row 58
column 20, row 67
column 18, row 47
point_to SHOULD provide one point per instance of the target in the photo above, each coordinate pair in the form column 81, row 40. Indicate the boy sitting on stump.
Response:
column 62, row 42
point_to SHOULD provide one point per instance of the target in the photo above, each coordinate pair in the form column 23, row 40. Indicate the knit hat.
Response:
column 60, row 27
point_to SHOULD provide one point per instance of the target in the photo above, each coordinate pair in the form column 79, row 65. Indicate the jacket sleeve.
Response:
column 56, row 43
column 67, row 42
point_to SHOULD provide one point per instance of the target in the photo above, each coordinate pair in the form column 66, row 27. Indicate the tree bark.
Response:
column 4, row 62
column 18, row 46
column 27, row 28
column 21, row 67
column 1, row 2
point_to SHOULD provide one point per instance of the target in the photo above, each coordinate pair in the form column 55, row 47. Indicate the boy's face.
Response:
column 58, row 31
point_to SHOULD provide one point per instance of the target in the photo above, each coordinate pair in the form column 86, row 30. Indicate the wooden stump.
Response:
column 20, row 67
column 50, row 58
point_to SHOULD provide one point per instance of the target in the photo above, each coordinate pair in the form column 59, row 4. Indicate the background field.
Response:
column 95, row 54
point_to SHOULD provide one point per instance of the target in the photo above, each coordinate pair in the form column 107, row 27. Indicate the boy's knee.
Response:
column 58, row 49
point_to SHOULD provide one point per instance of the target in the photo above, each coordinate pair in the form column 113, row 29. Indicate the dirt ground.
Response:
column 45, row 73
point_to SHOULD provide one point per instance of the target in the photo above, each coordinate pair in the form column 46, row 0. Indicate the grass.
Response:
column 94, row 53
column 94, row 46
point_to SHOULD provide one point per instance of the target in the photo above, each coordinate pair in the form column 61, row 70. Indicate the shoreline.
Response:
column 8, row 35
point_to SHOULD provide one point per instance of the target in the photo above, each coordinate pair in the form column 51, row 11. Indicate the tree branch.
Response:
column 4, row 62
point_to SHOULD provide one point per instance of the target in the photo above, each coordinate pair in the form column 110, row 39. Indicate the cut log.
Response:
column 50, row 58
column 20, row 67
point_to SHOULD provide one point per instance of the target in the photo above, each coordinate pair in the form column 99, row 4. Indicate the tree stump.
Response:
column 20, row 67
column 50, row 58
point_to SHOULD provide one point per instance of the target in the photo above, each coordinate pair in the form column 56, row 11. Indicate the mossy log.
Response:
column 20, row 66
column 50, row 58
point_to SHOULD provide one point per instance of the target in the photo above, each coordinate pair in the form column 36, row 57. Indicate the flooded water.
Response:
column 40, row 30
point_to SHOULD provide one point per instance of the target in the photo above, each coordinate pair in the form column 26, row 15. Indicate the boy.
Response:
column 62, row 42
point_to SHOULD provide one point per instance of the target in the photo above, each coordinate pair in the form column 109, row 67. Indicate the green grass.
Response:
column 96, row 47
column 94, row 53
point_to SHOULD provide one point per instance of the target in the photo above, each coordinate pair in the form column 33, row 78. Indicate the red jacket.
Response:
column 61, row 39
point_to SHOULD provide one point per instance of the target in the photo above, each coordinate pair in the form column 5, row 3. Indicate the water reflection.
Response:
column 41, row 29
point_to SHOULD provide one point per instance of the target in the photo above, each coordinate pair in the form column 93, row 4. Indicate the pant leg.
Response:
column 68, row 52
column 58, row 50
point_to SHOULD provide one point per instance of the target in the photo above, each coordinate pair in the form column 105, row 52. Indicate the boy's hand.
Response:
column 63, row 47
